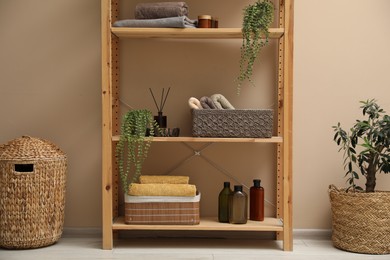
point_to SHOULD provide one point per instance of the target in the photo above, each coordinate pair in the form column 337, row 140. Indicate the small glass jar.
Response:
column 204, row 21
column 214, row 22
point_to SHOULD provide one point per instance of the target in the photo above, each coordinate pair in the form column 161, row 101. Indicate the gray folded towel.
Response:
column 207, row 103
column 160, row 10
column 171, row 22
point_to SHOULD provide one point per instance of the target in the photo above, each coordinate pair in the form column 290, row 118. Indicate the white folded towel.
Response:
column 194, row 103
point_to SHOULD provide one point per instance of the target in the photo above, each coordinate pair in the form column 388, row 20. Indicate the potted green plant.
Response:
column 257, row 19
column 137, row 130
column 361, row 218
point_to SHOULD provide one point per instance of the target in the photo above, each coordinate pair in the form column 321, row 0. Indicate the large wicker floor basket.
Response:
column 32, row 193
column 360, row 221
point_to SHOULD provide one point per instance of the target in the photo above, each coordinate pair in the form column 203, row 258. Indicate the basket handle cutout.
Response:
column 24, row 168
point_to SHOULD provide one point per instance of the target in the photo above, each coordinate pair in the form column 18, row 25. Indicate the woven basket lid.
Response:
column 30, row 148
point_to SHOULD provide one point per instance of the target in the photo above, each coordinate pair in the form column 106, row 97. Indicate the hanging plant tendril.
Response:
column 256, row 22
column 133, row 146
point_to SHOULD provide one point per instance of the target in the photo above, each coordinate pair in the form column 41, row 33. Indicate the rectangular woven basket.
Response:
column 249, row 123
column 162, row 210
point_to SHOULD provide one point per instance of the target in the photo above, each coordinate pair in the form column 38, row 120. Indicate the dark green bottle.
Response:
column 223, row 203
column 238, row 206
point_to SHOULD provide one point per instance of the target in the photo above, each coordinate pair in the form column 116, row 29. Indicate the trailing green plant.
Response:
column 372, row 136
column 257, row 19
column 133, row 146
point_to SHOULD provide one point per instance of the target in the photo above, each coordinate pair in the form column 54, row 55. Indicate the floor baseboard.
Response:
column 313, row 234
column 81, row 232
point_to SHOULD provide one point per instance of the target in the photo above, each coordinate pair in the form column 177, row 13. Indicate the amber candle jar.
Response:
column 204, row 21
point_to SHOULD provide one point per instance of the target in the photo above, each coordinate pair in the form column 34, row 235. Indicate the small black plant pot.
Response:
column 164, row 132
column 169, row 132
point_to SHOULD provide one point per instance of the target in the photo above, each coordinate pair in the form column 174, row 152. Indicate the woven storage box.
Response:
column 360, row 221
column 251, row 123
column 160, row 210
column 32, row 193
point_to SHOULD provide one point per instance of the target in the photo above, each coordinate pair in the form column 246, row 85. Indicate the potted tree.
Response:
column 361, row 217
column 137, row 130
column 257, row 19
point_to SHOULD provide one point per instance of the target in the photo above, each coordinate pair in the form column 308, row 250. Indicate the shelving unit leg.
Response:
column 287, row 123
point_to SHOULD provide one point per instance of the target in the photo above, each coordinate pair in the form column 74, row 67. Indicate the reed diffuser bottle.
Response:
column 160, row 118
column 238, row 206
column 256, row 200
column 223, row 203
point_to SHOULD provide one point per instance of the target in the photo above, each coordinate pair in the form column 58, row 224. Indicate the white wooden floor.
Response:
column 89, row 247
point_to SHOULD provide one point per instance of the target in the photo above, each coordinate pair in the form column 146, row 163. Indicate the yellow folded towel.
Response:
column 145, row 179
column 182, row 190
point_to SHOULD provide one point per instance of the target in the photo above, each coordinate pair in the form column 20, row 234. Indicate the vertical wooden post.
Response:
column 280, row 124
column 106, row 125
column 287, row 127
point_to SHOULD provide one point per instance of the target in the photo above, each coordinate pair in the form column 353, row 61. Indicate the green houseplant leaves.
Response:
column 366, row 146
column 133, row 146
column 257, row 19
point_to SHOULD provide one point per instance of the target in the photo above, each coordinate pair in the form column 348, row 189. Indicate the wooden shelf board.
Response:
column 269, row 224
column 187, row 33
column 274, row 139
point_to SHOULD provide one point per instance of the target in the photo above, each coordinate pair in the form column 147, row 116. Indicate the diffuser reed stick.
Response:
column 162, row 100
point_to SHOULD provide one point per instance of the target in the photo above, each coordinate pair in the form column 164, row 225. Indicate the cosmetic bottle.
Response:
column 256, row 201
column 238, row 206
column 223, row 203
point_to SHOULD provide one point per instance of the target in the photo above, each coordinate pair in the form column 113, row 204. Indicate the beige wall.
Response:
column 50, row 88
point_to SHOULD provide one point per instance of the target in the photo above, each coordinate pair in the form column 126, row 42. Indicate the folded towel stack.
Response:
column 151, row 185
column 170, row 22
column 160, row 10
column 159, row 15
column 216, row 101
column 162, row 179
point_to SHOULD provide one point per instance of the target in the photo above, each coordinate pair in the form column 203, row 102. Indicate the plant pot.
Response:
column 360, row 221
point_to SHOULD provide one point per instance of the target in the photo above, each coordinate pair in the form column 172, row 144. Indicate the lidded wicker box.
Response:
column 241, row 123
column 32, row 193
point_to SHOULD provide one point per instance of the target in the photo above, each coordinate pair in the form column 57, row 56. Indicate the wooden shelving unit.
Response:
column 187, row 33
column 275, row 139
column 282, row 222
column 206, row 224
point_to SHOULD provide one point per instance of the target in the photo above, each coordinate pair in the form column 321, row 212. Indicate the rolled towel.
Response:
column 194, row 103
column 170, row 22
column 147, row 179
column 160, row 10
column 180, row 190
column 221, row 102
column 207, row 103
